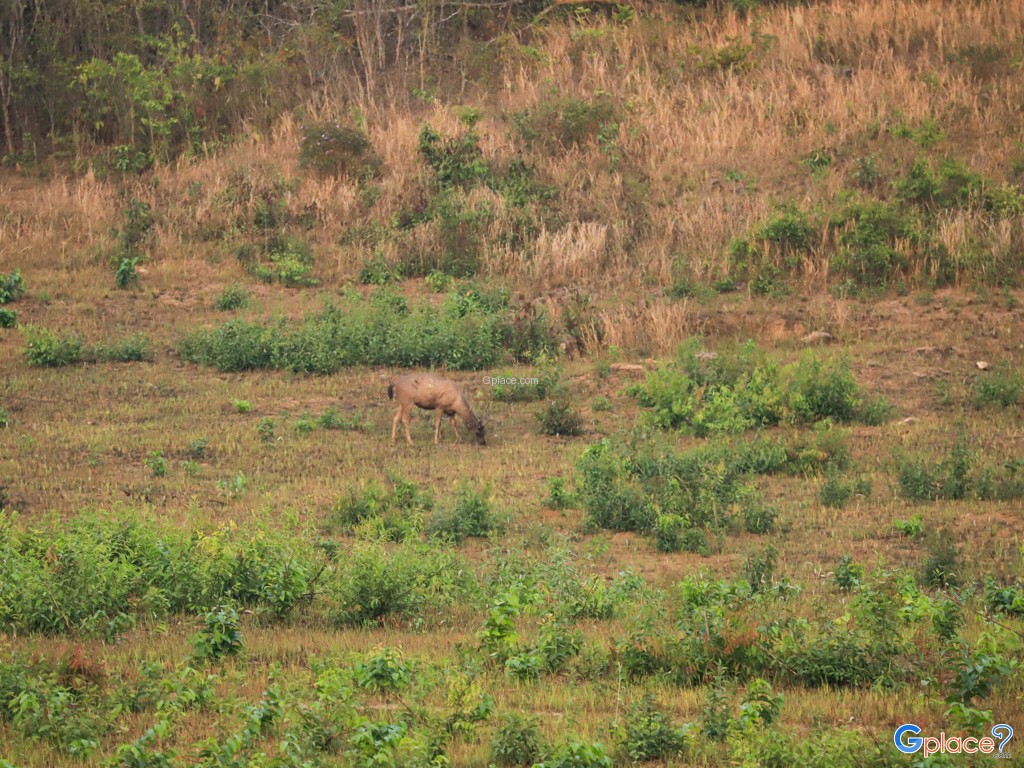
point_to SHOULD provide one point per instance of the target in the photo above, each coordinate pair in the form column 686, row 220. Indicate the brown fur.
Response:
column 432, row 393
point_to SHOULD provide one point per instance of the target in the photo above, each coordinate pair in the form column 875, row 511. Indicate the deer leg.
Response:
column 437, row 425
column 394, row 423
column 455, row 429
column 405, row 422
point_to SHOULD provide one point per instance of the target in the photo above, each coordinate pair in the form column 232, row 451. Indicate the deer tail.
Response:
column 391, row 391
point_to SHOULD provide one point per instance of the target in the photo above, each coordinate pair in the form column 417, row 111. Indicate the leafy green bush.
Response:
column 559, row 497
column 470, row 516
column 374, row 584
column 877, row 242
column 648, row 734
column 560, row 419
column 331, row 419
column 384, row 670
column 824, row 389
column 708, row 393
column 396, row 512
column 377, row 270
column 219, row 636
column 517, row 741
column 456, row 161
column 284, row 259
column 942, row 565
column 564, row 123
column 331, row 149
column 1002, row 387
column 12, row 287
column 775, row 249
column 847, row 573
column 126, row 271
column 100, row 574
column 129, row 349
column 578, row 754
column 8, row 318
column 50, row 349
column 383, row 330
column 233, row 297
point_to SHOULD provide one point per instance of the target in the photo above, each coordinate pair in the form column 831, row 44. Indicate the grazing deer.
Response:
column 432, row 392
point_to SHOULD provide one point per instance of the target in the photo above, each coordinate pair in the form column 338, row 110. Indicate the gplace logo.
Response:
column 908, row 740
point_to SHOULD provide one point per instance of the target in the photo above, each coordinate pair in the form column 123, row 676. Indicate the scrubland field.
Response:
column 758, row 500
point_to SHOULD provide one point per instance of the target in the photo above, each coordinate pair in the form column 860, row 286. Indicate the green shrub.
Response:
column 559, row 497
column 12, row 287
column 395, row 512
column 648, row 734
column 286, row 260
column 876, row 243
column 331, row 149
column 8, row 318
column 305, row 424
column 709, row 393
column 942, row 565
column 233, row 297
column 383, row 330
column 126, row 271
column 331, row 419
column 564, row 123
column 157, row 463
column 775, row 249
column 578, row 754
column 219, row 636
column 847, row 573
column 1001, row 387
column 456, row 161
column 373, row 584
column 560, row 419
column 911, row 528
column 920, row 480
column 517, row 741
column 129, row 349
column 101, row 573
column 836, row 491
column 824, row 389
column 241, row 406
column 377, row 270
column 50, row 349
column 265, row 430
column 470, row 516
column 383, row 671
column 669, row 531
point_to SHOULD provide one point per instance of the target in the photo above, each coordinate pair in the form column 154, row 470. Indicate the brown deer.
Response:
column 432, row 392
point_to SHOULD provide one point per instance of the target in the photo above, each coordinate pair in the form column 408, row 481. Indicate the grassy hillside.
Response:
column 753, row 497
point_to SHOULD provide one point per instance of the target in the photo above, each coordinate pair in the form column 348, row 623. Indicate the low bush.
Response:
column 233, row 297
column 12, row 287
column 283, row 259
column 648, row 734
column 95, row 576
column 517, row 741
column 332, row 149
column 560, row 419
column 129, row 349
column 1001, row 387
column 51, row 349
column 462, row 334
column 374, row 584
column 471, row 515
